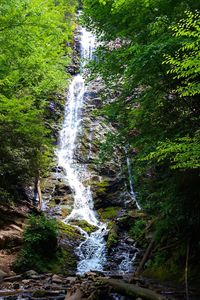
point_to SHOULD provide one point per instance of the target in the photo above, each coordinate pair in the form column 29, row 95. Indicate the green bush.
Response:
column 40, row 244
column 138, row 228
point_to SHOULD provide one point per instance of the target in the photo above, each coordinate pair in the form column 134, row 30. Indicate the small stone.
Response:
column 16, row 286
column 31, row 274
column 26, row 281
column 74, row 295
column 70, row 279
column 91, row 274
column 57, row 279
column 47, row 287
column 12, row 273
column 129, row 240
column 13, row 278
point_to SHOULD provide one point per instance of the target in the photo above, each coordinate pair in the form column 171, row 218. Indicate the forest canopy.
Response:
column 35, row 39
column 149, row 53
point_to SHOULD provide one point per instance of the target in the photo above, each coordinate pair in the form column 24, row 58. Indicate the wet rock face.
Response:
column 122, row 253
column 74, row 67
column 11, row 230
column 32, row 286
column 106, row 180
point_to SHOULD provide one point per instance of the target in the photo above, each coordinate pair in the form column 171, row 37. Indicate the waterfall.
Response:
column 133, row 195
column 92, row 251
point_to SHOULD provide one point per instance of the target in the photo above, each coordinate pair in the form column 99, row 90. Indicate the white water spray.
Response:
column 92, row 251
column 133, row 195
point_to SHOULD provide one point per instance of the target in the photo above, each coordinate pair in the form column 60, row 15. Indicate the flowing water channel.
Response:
column 92, row 251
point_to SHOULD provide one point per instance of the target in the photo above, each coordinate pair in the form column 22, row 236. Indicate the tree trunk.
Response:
column 38, row 191
column 186, row 271
column 39, row 194
column 145, row 258
column 133, row 290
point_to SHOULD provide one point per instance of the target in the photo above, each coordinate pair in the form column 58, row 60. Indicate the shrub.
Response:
column 40, row 244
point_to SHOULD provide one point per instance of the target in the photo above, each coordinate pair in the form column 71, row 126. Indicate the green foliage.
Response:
column 138, row 228
column 113, row 236
column 85, row 226
column 183, row 153
column 106, row 148
column 173, row 257
column 149, row 62
column 69, row 230
column 108, row 213
column 40, row 244
column 33, row 57
column 185, row 65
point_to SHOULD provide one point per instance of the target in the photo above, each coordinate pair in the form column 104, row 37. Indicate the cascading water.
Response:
column 133, row 195
column 92, row 251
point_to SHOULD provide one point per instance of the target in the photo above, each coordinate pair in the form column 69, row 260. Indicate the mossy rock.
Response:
column 137, row 214
column 69, row 231
column 65, row 262
column 65, row 210
column 125, row 222
column 113, row 236
column 39, row 293
column 99, row 187
column 108, row 213
column 85, row 226
column 102, row 186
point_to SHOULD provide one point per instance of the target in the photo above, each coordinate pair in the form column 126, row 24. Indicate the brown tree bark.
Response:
column 133, row 290
column 38, row 191
column 145, row 258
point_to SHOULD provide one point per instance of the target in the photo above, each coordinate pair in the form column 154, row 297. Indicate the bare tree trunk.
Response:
column 133, row 290
column 38, row 191
column 186, row 271
column 145, row 258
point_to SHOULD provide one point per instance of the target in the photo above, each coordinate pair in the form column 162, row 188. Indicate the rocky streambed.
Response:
column 32, row 285
column 93, row 285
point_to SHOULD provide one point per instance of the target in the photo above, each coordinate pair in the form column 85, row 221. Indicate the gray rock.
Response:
column 2, row 275
column 16, row 286
column 71, row 279
column 31, row 274
column 57, row 279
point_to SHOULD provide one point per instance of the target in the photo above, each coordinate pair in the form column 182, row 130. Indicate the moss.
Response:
column 104, row 183
column 51, row 204
column 39, row 293
column 113, row 236
column 85, row 226
column 137, row 228
column 65, row 262
column 102, row 186
column 108, row 213
column 65, row 211
column 69, row 230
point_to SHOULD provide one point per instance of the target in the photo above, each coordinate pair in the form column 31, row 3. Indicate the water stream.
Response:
column 133, row 195
column 92, row 251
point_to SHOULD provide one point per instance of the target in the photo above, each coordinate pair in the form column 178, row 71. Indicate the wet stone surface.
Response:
column 31, row 286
